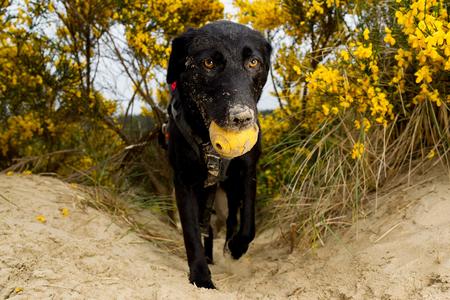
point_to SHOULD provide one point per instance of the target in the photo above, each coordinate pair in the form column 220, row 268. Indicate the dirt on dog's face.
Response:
column 221, row 69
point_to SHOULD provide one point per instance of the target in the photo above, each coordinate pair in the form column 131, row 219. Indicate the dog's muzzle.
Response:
column 240, row 117
column 237, row 139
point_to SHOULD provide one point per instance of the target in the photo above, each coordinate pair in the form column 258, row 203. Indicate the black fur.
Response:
column 206, row 95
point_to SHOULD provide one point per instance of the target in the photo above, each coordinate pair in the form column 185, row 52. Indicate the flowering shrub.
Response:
column 372, row 71
column 363, row 88
column 57, row 113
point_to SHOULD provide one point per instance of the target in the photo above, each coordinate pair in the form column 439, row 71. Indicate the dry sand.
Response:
column 400, row 252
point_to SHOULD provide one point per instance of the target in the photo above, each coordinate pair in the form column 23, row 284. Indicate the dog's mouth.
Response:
column 230, row 143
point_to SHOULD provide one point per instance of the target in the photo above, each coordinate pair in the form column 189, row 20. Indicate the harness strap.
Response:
column 193, row 140
column 217, row 166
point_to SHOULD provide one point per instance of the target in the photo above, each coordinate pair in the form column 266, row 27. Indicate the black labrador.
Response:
column 216, row 73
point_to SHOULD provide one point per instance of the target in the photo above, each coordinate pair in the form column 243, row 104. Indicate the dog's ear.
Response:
column 268, row 52
column 178, row 55
column 268, row 48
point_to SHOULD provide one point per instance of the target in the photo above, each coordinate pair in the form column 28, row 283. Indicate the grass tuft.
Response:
column 328, row 189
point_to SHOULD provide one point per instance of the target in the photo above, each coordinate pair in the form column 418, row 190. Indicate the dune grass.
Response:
column 328, row 189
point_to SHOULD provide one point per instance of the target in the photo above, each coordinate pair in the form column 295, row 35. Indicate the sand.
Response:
column 400, row 252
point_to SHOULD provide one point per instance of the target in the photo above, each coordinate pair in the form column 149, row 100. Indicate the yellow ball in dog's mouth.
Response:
column 232, row 143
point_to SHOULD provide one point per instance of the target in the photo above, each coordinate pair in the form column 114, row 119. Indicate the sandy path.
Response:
column 401, row 252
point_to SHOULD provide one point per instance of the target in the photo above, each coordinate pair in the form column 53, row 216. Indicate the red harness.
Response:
column 173, row 86
column 165, row 130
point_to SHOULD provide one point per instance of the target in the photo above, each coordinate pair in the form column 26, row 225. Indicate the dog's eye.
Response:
column 208, row 63
column 253, row 63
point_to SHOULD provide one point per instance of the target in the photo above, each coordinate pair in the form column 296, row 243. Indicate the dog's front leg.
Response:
column 188, row 207
column 245, row 189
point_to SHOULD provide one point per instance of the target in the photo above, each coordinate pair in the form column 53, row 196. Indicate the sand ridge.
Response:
column 400, row 252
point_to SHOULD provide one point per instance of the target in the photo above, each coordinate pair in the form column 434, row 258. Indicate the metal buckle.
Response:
column 213, row 164
column 212, row 159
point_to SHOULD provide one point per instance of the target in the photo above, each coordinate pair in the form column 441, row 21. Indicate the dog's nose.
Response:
column 241, row 116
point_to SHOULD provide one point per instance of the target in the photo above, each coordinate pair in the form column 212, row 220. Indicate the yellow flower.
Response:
column 358, row 150
column 331, row 3
column 41, row 219
column 315, row 8
column 18, row 290
column 423, row 75
column 363, row 52
column 297, row 70
column 334, row 110
column 365, row 124
column 388, row 38
column 400, row 17
column 27, row 173
column 326, row 109
column 86, row 162
column 447, row 65
column 345, row 56
column 64, row 211
column 431, row 154
column 10, row 173
column 366, row 34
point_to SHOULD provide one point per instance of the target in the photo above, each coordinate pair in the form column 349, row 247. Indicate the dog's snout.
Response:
column 241, row 116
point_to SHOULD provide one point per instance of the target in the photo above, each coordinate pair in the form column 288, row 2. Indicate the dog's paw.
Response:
column 201, row 283
column 200, row 276
column 237, row 247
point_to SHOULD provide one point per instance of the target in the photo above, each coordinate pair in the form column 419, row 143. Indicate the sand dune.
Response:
column 400, row 252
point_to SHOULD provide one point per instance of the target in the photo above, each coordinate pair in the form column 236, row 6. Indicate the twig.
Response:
column 387, row 232
column 226, row 278
column 9, row 201
column 293, row 234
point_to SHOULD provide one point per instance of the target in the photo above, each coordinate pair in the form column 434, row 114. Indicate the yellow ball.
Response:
column 232, row 143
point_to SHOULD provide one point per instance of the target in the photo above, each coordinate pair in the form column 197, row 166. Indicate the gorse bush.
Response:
column 363, row 91
column 57, row 114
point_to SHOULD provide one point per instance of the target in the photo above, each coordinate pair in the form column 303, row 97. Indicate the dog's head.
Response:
column 220, row 71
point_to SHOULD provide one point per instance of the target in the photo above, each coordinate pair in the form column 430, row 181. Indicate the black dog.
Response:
column 217, row 73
